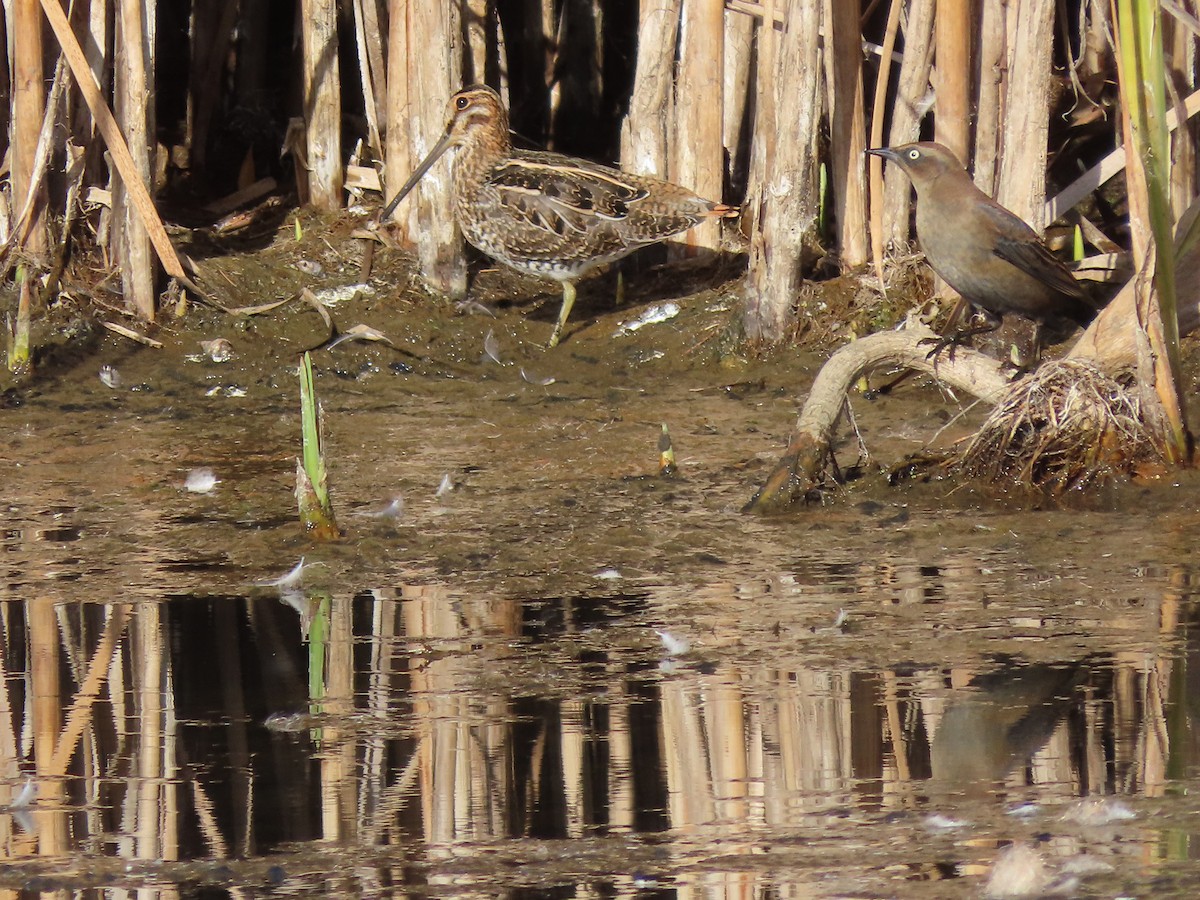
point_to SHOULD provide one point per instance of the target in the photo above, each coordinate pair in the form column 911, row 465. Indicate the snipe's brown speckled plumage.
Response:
column 548, row 214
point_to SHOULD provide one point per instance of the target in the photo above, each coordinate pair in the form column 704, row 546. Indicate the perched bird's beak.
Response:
column 439, row 148
column 886, row 152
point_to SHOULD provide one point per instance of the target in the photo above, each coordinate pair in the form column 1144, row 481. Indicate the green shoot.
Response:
column 312, row 491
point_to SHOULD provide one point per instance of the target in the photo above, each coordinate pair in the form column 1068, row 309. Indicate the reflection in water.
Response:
column 484, row 746
column 1006, row 718
column 415, row 729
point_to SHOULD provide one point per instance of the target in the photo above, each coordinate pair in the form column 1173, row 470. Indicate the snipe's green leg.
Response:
column 568, row 302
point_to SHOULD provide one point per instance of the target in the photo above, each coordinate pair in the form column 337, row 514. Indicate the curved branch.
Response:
column 802, row 466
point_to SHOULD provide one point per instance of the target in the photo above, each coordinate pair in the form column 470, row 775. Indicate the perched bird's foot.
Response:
column 940, row 344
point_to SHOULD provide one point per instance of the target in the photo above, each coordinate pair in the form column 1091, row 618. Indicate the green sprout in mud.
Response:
column 18, row 334
column 312, row 477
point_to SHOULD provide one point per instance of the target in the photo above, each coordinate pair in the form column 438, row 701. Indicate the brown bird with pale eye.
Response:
column 985, row 252
column 544, row 213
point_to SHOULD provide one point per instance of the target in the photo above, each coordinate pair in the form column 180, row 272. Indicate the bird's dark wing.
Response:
column 562, row 195
column 1036, row 260
column 1018, row 244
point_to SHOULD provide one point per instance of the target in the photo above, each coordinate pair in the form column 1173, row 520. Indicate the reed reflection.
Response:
column 229, row 728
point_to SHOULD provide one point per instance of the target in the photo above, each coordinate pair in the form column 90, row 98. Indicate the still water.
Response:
column 563, row 675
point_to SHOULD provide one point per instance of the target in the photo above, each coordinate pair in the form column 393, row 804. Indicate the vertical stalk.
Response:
column 739, row 81
column 312, row 491
column 424, row 69
column 875, row 163
column 991, row 94
column 1142, row 76
column 844, row 60
column 644, row 131
column 1021, row 185
column 696, row 149
column 47, row 702
column 19, row 358
column 952, row 35
column 322, row 102
column 363, row 41
column 135, row 110
column 782, row 201
column 29, row 96
column 906, row 114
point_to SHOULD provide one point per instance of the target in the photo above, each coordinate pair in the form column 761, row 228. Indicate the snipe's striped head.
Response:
column 476, row 116
column 476, row 113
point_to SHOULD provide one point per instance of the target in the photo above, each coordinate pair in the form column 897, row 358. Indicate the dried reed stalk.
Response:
column 908, row 110
column 384, row 641
column 29, row 97
column 953, row 35
column 149, row 678
column 697, row 153
column 134, row 103
column 424, row 69
column 552, row 32
column 375, row 36
column 1181, row 63
column 690, row 798
column 844, row 61
column 783, row 200
column 739, row 82
column 363, row 40
column 95, row 41
column 725, row 733
column 337, row 762
column 1142, row 76
column 622, row 809
column 91, row 682
column 10, row 756
column 322, row 103
column 878, row 108
column 463, row 793
column 34, row 195
column 645, row 129
column 991, row 93
column 1022, row 183
column 477, row 20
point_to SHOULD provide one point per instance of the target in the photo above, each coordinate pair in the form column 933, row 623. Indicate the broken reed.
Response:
column 19, row 358
column 312, row 490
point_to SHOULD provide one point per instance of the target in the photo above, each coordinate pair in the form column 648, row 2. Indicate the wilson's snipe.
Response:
column 548, row 214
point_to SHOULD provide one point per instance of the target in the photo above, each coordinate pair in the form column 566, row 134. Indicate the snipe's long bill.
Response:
column 547, row 214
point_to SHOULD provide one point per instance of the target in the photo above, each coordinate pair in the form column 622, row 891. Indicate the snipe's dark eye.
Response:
column 462, row 103
column 914, row 153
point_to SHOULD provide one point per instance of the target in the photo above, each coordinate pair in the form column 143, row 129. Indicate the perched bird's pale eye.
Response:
column 914, row 153
column 462, row 103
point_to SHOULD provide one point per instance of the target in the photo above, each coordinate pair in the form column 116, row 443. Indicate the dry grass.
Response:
column 1066, row 425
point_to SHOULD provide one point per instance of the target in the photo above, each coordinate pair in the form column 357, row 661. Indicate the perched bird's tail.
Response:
column 1080, row 310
